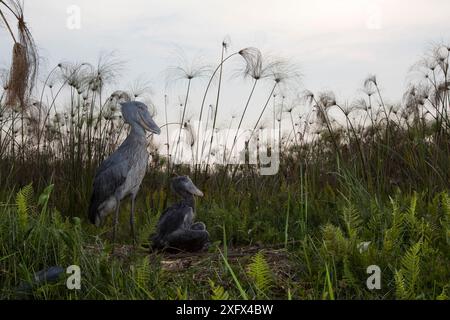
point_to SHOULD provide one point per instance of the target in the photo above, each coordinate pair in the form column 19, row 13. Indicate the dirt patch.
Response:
column 279, row 259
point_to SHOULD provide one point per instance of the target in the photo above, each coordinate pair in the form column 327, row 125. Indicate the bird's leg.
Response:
column 116, row 222
column 133, row 197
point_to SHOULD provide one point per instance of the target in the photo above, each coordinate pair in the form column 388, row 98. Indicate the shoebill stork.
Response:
column 176, row 229
column 120, row 175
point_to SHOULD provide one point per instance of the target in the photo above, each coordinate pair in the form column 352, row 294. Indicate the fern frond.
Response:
column 218, row 292
column 413, row 205
column 376, row 217
column 411, row 218
column 411, row 266
column 400, row 286
column 392, row 235
column 335, row 242
column 408, row 276
column 142, row 274
column 352, row 221
column 24, row 199
column 261, row 274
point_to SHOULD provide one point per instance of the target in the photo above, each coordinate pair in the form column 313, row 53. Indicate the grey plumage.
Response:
column 176, row 228
column 121, row 174
column 50, row 275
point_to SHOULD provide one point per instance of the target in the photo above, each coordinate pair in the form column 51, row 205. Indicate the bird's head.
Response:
column 136, row 113
column 184, row 186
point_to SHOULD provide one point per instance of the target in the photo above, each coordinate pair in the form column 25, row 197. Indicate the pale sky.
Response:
column 336, row 43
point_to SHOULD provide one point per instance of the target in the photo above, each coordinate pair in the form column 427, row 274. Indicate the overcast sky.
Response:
column 336, row 43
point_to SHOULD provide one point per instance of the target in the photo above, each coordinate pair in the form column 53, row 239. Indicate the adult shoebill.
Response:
column 176, row 228
column 121, row 174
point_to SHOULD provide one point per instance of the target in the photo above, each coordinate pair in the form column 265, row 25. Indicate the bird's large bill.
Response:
column 192, row 189
column 148, row 124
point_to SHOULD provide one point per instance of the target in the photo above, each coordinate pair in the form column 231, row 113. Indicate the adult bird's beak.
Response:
column 192, row 189
column 147, row 122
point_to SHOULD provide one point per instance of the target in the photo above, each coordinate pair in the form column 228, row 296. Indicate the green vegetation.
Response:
column 409, row 242
column 359, row 184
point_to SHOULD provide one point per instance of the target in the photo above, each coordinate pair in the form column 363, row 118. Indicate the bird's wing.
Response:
column 173, row 218
column 110, row 176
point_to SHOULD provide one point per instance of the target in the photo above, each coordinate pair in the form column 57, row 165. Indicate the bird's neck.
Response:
column 189, row 200
column 137, row 131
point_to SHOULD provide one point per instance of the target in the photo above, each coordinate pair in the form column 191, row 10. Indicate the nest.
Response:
column 25, row 59
column 18, row 78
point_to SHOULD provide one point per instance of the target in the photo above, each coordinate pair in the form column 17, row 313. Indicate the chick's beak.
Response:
column 192, row 189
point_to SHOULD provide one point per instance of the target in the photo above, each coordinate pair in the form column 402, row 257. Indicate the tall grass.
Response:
column 408, row 241
column 366, row 171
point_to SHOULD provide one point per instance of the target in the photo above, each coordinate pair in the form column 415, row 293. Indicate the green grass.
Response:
column 408, row 234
